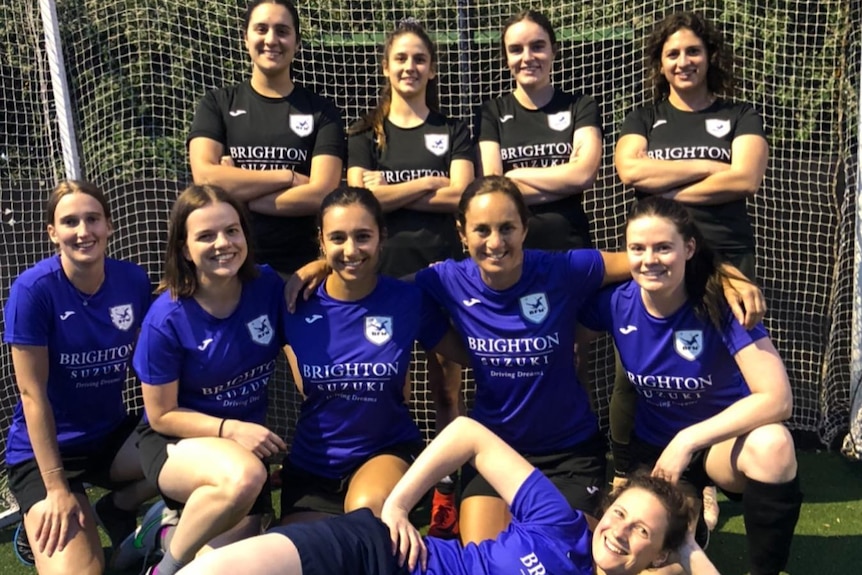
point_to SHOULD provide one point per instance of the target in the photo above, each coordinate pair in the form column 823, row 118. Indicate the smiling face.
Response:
column 657, row 255
column 350, row 240
column 494, row 233
column 685, row 62
column 271, row 39
column 529, row 54
column 215, row 242
column 80, row 230
column 630, row 536
column 409, row 66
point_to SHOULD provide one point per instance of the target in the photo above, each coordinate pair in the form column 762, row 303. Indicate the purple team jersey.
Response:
column 682, row 367
column 223, row 365
column 353, row 358
column 521, row 342
column 545, row 536
column 90, row 339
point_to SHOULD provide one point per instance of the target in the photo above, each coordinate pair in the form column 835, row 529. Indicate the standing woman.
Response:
column 711, row 395
column 546, row 141
column 72, row 321
column 417, row 162
column 353, row 339
column 270, row 142
column 693, row 145
column 207, row 350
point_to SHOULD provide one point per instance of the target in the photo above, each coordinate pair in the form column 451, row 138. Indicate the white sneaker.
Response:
column 144, row 543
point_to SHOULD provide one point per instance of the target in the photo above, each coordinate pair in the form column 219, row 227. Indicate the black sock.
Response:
column 770, row 512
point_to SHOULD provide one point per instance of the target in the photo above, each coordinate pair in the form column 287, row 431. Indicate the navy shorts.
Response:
column 303, row 491
column 578, row 473
column 357, row 543
column 85, row 464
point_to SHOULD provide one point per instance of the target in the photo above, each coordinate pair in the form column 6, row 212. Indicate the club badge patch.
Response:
column 718, row 128
column 302, row 124
column 688, row 343
column 534, row 307
column 560, row 121
column 437, row 144
column 378, row 329
column 260, row 330
column 122, row 316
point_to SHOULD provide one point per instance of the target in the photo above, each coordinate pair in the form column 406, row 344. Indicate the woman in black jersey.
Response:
column 270, row 142
column 547, row 141
column 416, row 162
column 693, row 145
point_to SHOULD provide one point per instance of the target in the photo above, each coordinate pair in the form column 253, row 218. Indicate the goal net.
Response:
column 135, row 71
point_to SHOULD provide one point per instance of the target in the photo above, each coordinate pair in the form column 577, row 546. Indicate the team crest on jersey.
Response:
column 560, row 121
column 718, row 128
column 122, row 316
column 302, row 124
column 437, row 144
column 378, row 329
column 260, row 330
column 534, row 307
column 688, row 343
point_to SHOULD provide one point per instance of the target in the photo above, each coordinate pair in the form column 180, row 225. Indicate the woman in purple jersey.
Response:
column 353, row 341
column 417, row 162
column 645, row 522
column 711, row 395
column 207, row 350
column 72, row 321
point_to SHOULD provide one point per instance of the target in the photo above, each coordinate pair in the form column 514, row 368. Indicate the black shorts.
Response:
column 357, row 543
column 153, row 447
column 644, row 455
column 86, row 464
column 303, row 491
column 579, row 474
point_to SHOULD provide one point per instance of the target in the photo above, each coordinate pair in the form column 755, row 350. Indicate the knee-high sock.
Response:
column 770, row 511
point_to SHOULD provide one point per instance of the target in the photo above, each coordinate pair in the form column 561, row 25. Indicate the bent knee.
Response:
column 244, row 481
column 769, row 454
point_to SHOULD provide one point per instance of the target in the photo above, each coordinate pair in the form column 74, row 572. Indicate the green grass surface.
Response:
column 828, row 537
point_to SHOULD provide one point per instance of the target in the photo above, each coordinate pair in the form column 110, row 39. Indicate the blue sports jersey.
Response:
column 90, row 339
column 223, row 365
column 682, row 367
column 353, row 357
column 545, row 536
column 521, row 344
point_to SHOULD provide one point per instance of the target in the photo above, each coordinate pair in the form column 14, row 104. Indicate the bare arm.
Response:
column 393, row 196
column 446, row 198
column 166, row 417
column 452, row 348
column 693, row 560
column 749, row 155
column 207, row 168
column 616, row 267
column 490, row 160
column 771, row 401
column 61, row 515
column 573, row 177
column 652, row 176
column 303, row 199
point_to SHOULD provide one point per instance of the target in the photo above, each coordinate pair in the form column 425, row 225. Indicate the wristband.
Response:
column 221, row 427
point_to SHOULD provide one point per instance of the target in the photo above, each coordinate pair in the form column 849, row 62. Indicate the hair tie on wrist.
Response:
column 221, row 426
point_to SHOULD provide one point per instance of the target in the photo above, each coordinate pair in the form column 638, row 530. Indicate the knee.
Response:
column 371, row 500
column 769, row 454
column 243, row 482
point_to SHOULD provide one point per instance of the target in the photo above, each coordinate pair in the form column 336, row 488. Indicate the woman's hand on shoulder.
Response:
column 254, row 437
column 745, row 299
column 407, row 543
column 306, row 279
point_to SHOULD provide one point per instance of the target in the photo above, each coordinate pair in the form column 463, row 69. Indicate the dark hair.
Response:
column 180, row 277
column 349, row 195
column 489, row 185
column 532, row 16
column 288, row 4
column 679, row 511
column 703, row 274
column 69, row 187
column 374, row 119
column 719, row 74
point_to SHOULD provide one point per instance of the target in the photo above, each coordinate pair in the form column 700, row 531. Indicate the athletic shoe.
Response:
column 710, row 507
column 444, row 516
column 116, row 522
column 144, row 544
column 21, row 545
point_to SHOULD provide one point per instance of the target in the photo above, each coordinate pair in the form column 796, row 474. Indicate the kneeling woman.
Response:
column 711, row 394
column 353, row 340
column 207, row 350
column 646, row 521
